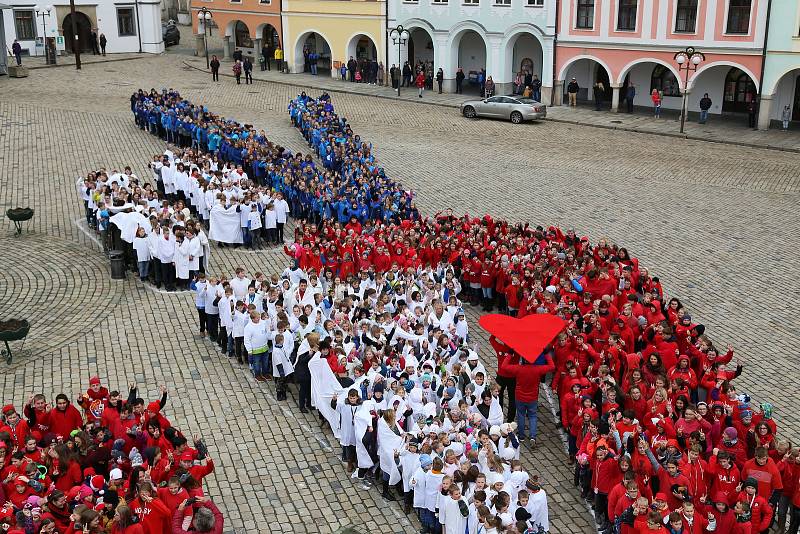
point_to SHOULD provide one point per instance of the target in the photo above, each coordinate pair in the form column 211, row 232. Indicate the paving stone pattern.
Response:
column 718, row 223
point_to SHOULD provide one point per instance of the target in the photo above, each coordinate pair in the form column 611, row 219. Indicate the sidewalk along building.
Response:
column 333, row 32
column 504, row 37
column 245, row 25
column 127, row 26
column 782, row 65
column 622, row 42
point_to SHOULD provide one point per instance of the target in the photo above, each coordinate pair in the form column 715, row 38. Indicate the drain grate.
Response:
column 616, row 122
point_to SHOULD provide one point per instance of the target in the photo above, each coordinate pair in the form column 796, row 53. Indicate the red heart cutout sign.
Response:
column 527, row 336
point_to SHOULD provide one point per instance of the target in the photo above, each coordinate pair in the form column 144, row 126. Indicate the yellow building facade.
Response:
column 334, row 30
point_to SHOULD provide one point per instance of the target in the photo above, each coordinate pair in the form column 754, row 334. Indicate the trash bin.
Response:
column 117, row 264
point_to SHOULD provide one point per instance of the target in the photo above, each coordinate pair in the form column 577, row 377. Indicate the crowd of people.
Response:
column 368, row 321
column 101, row 462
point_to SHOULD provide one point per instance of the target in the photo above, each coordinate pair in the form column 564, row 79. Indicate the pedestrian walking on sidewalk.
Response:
column 214, row 69
column 237, row 71
column 103, row 43
column 16, row 49
column 705, row 105
column 599, row 90
column 420, row 82
column 247, row 67
column 655, row 96
column 630, row 95
column 460, row 81
column 572, row 92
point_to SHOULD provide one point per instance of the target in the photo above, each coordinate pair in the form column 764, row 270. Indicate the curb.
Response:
column 115, row 60
column 687, row 137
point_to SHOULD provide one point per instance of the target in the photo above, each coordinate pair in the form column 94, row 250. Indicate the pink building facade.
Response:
column 633, row 42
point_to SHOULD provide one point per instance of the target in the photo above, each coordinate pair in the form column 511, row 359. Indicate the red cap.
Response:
column 9, row 408
column 660, row 496
column 187, row 456
column 94, row 380
column 21, row 480
column 97, row 482
column 154, row 407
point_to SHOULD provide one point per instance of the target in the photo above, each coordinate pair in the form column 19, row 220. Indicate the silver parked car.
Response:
column 516, row 109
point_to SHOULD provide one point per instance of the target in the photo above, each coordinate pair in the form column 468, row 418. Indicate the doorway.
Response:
column 796, row 103
column 739, row 91
column 84, row 31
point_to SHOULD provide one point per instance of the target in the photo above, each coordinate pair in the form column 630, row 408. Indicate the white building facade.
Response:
column 126, row 24
column 504, row 37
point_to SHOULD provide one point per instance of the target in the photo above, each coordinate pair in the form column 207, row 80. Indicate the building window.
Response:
column 24, row 23
column 471, row 2
column 502, row 2
column 267, row 2
column 126, row 24
column 738, row 16
column 535, row 2
column 626, row 15
column 686, row 16
column 441, row 2
column 585, row 18
column 664, row 80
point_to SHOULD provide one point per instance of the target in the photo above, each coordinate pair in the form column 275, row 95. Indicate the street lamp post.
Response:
column 44, row 12
column 399, row 37
column 204, row 18
column 688, row 60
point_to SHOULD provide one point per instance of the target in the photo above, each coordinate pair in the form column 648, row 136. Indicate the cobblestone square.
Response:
column 718, row 223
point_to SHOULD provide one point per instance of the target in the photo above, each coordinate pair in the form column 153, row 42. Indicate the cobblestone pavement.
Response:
column 718, row 223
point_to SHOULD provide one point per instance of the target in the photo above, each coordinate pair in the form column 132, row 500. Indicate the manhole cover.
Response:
column 616, row 122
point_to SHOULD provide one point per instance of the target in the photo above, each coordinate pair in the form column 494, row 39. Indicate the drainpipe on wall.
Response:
column 764, row 51
column 555, row 41
column 386, row 39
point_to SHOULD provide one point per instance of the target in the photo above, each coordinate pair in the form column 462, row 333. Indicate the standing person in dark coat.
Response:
column 460, row 81
column 572, row 92
column 630, row 94
column 95, row 48
column 536, row 88
column 352, row 65
column 16, row 49
column 394, row 75
column 302, row 374
column 247, row 67
column 406, row 74
column 439, row 79
column 752, row 109
column 266, row 53
column 103, row 42
column 214, row 69
column 705, row 105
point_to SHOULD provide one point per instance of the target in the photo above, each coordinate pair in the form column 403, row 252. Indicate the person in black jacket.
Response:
column 214, row 69
column 301, row 371
column 572, row 92
column 439, row 79
column 352, row 65
column 705, row 105
column 406, row 75
column 460, row 81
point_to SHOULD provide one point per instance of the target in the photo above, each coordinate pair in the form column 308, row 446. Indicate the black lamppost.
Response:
column 204, row 18
column 44, row 12
column 688, row 60
column 399, row 37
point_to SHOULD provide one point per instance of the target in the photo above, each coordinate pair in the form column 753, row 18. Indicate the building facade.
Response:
column 504, row 37
column 245, row 25
column 127, row 25
column 622, row 42
column 782, row 66
column 334, row 31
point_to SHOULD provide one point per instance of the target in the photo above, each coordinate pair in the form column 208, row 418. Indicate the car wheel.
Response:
column 516, row 117
column 469, row 112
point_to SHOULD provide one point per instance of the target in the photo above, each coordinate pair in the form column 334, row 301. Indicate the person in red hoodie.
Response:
column 64, row 418
column 124, row 522
column 94, row 400
column 724, row 475
column 671, row 481
column 605, row 475
column 694, row 522
column 760, row 511
column 765, row 471
column 15, row 425
column 695, row 469
column 528, row 377
column 724, row 517
column 151, row 512
column 744, row 523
